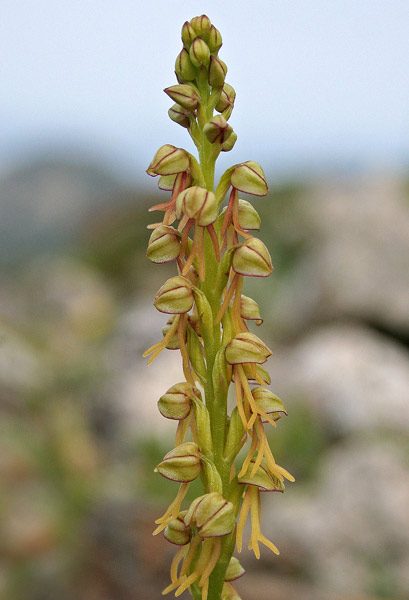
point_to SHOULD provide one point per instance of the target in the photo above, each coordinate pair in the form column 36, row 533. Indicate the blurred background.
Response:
column 322, row 103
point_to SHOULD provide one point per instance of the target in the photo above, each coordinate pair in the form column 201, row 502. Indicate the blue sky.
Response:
column 319, row 82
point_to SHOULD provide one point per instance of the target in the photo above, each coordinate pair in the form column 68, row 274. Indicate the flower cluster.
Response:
column 214, row 249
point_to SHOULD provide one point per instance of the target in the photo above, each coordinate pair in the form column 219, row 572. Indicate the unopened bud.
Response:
column 249, row 178
column 249, row 219
column 176, row 532
column 268, row 402
column 184, row 69
column 201, row 25
column 199, row 204
column 249, row 310
column 251, row 258
column 234, row 570
column 177, row 402
column 188, row 34
column 163, row 245
column 247, row 348
column 212, row 514
column 182, row 463
column 229, row 143
column 175, row 296
column 262, row 478
column 184, row 95
column 214, row 39
column 199, row 52
column 179, row 115
column 227, row 98
column 169, row 160
column 217, row 130
column 217, row 72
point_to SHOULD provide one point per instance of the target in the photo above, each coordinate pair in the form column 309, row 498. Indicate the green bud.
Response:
column 234, row 570
column 199, row 204
column 184, row 95
column 199, row 53
column 176, row 532
column 217, row 130
column 177, row 402
column 251, row 258
column 178, row 114
column 184, row 69
column 229, row 143
column 249, row 219
column 249, row 310
column 214, row 39
column 212, row 514
column 227, row 99
column 229, row 593
column 201, row 25
column 262, row 478
column 247, row 348
column 173, row 343
column 168, row 160
column 188, row 34
column 249, row 177
column 217, row 72
column 182, row 463
column 268, row 402
column 175, row 296
column 163, row 245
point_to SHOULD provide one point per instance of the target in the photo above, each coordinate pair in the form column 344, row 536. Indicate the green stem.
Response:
column 215, row 402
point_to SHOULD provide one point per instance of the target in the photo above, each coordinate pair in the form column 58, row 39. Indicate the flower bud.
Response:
column 217, row 130
column 173, row 343
column 229, row 593
column 201, row 25
column 188, row 34
column 168, row 160
column 249, row 310
column 227, row 98
column 252, row 258
column 184, row 95
column 249, row 177
column 176, row 532
column 262, row 478
column 234, row 570
column 163, row 245
column 247, row 348
column 249, row 219
column 214, row 39
column 184, row 69
column 212, row 514
column 268, row 402
column 177, row 402
column 217, row 72
column 182, row 463
column 199, row 204
column 229, row 143
column 175, row 296
column 178, row 114
column 199, row 52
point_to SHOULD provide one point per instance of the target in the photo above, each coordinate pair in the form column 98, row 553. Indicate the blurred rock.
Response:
column 356, row 258
column 351, row 377
column 352, row 529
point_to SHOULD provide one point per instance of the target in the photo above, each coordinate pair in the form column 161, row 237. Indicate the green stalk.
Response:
column 217, row 407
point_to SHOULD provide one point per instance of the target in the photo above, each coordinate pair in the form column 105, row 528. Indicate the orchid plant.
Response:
column 214, row 250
